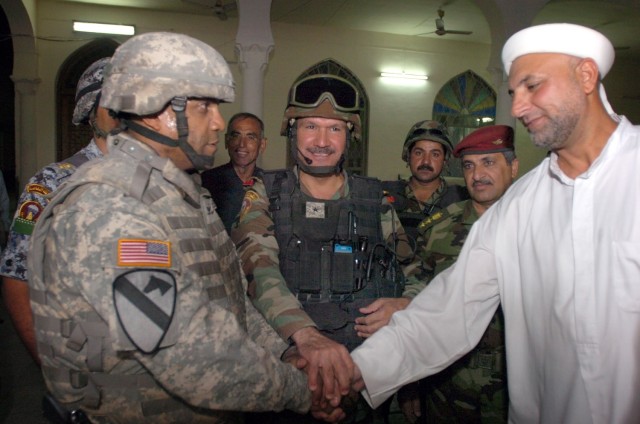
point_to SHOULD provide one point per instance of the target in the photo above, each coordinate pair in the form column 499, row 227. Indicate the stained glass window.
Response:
column 466, row 102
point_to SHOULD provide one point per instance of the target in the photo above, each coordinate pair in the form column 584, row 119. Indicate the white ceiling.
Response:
column 617, row 19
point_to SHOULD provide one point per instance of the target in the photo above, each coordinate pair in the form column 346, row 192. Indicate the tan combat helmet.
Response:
column 151, row 70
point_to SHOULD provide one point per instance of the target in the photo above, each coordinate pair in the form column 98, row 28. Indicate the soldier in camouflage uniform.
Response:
column 426, row 150
column 140, row 304
column 307, row 236
column 473, row 389
column 34, row 198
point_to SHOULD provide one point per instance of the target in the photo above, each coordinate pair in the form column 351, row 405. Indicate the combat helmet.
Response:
column 88, row 96
column 151, row 70
column 324, row 96
column 427, row 130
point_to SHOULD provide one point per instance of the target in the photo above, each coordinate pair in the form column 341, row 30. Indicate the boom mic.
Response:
column 306, row 159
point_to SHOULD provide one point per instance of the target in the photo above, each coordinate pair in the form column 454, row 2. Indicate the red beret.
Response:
column 491, row 139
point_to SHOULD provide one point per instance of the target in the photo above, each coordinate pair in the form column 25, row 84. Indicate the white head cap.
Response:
column 569, row 39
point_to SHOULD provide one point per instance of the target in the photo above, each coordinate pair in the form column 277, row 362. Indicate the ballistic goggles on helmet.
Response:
column 313, row 90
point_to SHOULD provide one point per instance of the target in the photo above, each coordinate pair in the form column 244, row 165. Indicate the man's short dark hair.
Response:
column 246, row 115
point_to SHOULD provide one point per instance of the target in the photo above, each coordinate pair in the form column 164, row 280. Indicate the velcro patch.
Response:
column 142, row 253
column 145, row 303
column 314, row 210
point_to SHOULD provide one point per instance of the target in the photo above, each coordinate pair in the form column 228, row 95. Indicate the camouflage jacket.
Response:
column 258, row 249
column 474, row 388
column 30, row 205
column 412, row 211
column 140, row 305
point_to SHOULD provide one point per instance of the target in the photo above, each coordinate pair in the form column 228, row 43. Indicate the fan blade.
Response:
column 453, row 31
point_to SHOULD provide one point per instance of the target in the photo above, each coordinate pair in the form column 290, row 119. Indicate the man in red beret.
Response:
column 472, row 389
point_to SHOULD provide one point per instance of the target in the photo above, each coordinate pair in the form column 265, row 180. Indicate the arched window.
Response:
column 358, row 151
column 466, row 102
column 71, row 138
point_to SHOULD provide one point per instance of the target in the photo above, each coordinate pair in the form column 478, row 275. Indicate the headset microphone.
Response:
column 306, row 159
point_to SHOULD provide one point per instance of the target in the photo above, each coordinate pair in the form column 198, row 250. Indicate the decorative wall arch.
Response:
column 71, row 138
column 358, row 151
column 466, row 102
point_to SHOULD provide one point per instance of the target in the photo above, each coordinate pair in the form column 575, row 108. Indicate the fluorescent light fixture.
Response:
column 402, row 75
column 79, row 26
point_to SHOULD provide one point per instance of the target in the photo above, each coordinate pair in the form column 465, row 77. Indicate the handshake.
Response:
column 334, row 386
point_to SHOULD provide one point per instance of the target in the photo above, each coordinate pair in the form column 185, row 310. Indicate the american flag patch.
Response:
column 156, row 253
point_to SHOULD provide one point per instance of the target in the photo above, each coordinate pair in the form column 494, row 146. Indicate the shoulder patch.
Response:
column 144, row 253
column 37, row 188
column 145, row 303
column 28, row 214
column 250, row 196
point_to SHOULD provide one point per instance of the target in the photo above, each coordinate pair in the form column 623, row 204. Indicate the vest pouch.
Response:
column 342, row 266
column 309, row 271
column 328, row 316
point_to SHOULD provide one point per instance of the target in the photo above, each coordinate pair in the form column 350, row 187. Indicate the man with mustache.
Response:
column 559, row 252
column 317, row 243
column 426, row 150
column 245, row 142
column 139, row 302
column 473, row 389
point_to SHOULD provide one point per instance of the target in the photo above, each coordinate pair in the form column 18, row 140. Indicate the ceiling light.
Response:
column 79, row 26
column 402, row 75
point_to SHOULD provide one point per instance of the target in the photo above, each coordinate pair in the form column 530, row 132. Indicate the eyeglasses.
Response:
column 313, row 90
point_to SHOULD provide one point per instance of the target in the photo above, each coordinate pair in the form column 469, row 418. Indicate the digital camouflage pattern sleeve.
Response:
column 31, row 203
column 254, row 236
column 214, row 362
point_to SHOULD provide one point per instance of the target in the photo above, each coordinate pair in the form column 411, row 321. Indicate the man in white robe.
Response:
column 560, row 251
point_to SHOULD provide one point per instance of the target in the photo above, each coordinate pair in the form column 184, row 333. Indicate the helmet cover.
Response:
column 149, row 70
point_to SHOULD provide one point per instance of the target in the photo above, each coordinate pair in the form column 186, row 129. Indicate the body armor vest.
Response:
column 208, row 272
column 332, row 253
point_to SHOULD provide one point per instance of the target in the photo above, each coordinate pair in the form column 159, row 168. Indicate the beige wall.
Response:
column 393, row 108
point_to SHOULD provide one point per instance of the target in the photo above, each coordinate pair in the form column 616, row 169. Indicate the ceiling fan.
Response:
column 220, row 8
column 440, row 29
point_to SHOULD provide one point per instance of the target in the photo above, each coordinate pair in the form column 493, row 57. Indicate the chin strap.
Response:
column 178, row 104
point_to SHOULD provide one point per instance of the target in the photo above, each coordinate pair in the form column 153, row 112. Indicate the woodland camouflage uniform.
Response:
column 258, row 249
column 473, row 389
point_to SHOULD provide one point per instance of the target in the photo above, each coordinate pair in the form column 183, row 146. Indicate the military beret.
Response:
column 491, row 139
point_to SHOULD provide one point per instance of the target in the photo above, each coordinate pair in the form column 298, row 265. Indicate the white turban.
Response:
column 569, row 39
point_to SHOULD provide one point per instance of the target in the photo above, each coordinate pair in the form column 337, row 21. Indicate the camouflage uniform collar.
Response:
column 431, row 200
column 128, row 145
column 341, row 193
column 92, row 151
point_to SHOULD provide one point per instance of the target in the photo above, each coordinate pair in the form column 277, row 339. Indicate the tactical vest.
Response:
column 74, row 349
column 332, row 253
